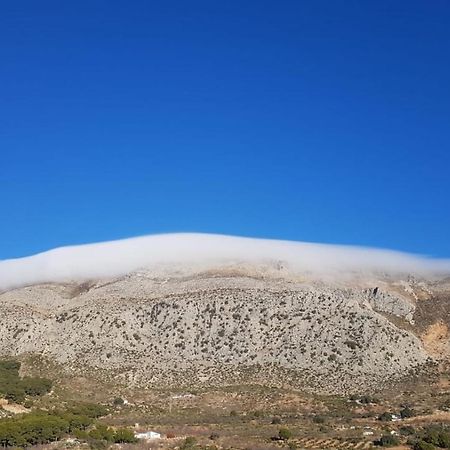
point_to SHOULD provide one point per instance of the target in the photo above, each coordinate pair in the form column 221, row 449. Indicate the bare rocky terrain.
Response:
column 234, row 324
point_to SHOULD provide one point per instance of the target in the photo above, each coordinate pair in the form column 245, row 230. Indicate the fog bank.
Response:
column 115, row 258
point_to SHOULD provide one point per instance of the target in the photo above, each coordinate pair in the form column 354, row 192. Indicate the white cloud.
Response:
column 117, row 258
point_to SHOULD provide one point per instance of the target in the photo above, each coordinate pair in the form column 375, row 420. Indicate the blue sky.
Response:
column 310, row 120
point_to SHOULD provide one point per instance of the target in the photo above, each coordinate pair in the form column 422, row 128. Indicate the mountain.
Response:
column 210, row 314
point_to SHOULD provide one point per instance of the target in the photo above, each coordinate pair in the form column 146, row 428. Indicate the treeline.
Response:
column 42, row 427
column 15, row 388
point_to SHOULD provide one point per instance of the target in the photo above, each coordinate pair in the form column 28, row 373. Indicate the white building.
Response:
column 147, row 435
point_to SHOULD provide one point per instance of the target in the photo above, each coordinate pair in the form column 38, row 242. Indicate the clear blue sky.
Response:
column 314, row 120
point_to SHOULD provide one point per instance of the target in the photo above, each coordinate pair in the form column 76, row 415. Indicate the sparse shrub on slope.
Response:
column 388, row 440
column 407, row 412
column 118, row 401
column 385, row 417
column 188, row 443
column 284, row 434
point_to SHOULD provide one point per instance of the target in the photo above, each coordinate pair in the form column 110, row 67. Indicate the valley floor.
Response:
column 254, row 417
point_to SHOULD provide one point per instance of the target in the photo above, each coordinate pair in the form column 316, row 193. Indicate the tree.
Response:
column 388, row 440
column 118, row 401
column 385, row 417
column 407, row 412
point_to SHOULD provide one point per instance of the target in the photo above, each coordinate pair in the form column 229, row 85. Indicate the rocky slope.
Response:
column 233, row 324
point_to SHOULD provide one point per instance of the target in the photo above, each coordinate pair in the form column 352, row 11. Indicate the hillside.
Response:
column 235, row 323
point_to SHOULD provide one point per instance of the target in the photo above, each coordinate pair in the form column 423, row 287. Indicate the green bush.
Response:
column 118, row 401
column 388, row 440
column 188, row 443
column 124, row 436
column 407, row 412
column 385, row 417
column 284, row 434
column 444, row 440
column 81, row 435
column 407, row 431
column 91, row 410
column 422, row 445
column 319, row 419
column 77, row 422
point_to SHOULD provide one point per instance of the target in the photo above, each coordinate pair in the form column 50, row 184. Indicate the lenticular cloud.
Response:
column 115, row 258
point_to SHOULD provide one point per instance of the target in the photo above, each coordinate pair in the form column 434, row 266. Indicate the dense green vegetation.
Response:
column 436, row 436
column 67, row 416
column 432, row 437
column 30, row 429
column 41, row 427
column 15, row 388
column 102, row 435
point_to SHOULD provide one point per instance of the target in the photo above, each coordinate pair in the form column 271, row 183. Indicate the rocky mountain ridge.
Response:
column 239, row 323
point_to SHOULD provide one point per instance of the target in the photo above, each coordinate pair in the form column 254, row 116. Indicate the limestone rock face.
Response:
column 227, row 325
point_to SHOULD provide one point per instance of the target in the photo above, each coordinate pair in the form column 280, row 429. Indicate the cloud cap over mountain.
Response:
column 115, row 258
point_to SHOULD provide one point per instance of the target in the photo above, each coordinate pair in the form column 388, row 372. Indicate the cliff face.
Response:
column 227, row 326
